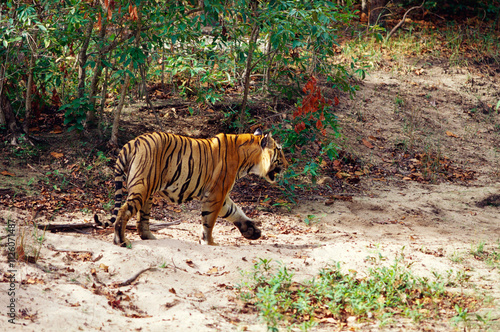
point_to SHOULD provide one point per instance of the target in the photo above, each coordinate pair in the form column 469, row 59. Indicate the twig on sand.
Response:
column 51, row 247
column 132, row 279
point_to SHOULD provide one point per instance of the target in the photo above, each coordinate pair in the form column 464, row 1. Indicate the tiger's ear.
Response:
column 264, row 141
column 258, row 132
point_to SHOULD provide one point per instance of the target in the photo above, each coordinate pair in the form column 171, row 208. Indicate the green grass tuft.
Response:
column 333, row 296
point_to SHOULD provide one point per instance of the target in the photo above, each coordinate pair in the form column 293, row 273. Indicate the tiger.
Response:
column 182, row 168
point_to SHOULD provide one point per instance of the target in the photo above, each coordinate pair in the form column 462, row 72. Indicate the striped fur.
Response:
column 181, row 168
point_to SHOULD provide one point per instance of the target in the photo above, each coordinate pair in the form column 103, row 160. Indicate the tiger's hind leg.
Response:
column 131, row 207
column 232, row 212
column 143, row 222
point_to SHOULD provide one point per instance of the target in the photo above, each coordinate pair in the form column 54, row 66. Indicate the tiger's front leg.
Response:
column 209, row 212
column 232, row 212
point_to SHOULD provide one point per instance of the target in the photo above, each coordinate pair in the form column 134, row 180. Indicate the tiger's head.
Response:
column 272, row 160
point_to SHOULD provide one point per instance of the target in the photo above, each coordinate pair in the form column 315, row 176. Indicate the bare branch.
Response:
column 402, row 21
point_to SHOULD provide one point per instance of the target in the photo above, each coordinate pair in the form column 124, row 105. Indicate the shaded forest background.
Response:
column 64, row 62
column 67, row 68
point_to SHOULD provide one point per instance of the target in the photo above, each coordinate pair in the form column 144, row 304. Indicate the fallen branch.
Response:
column 64, row 227
column 75, row 227
column 132, row 279
column 157, row 227
column 51, row 247
column 402, row 21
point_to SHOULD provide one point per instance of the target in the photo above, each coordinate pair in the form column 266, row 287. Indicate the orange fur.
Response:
column 182, row 168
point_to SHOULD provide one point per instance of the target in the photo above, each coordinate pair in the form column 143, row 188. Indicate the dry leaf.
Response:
column 367, row 143
column 33, row 281
column 172, row 290
column 419, row 72
column 449, row 133
column 57, row 130
column 57, row 155
column 341, row 175
column 199, row 295
column 104, row 267
column 213, row 270
column 87, row 256
column 7, row 173
column 363, row 18
column 343, row 198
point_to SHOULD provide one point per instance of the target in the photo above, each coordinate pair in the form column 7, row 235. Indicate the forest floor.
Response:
column 419, row 179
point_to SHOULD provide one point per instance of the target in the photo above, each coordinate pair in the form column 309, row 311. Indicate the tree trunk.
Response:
column 82, row 59
column 377, row 11
column 7, row 117
column 269, row 57
column 116, row 121
column 248, row 70
column 29, row 91
column 364, row 7
column 163, row 67
column 142, row 68
column 100, row 113
column 91, row 117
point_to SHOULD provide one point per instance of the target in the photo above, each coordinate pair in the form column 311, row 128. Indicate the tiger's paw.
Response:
column 248, row 230
column 206, row 243
column 147, row 236
column 125, row 243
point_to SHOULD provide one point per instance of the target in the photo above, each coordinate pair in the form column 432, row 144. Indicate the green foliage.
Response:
column 295, row 40
column 57, row 180
column 76, row 113
column 29, row 243
column 24, row 150
column 109, row 205
column 384, row 292
column 489, row 255
column 311, row 218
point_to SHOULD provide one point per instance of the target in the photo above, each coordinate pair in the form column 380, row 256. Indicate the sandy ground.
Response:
column 73, row 286
column 192, row 286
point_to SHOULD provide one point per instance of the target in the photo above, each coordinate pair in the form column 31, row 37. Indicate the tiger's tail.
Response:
column 119, row 178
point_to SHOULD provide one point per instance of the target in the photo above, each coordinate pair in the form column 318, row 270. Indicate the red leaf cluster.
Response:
column 132, row 10
column 313, row 103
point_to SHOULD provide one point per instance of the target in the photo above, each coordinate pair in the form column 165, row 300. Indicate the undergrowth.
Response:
column 332, row 296
column 461, row 44
column 491, row 255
